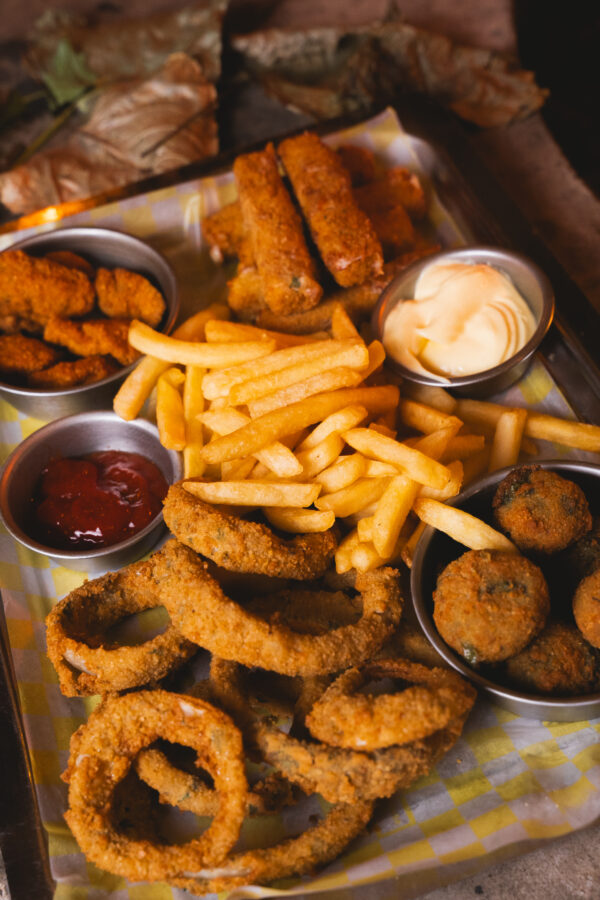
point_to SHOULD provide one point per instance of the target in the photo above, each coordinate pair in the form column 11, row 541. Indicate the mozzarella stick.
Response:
column 342, row 232
column 287, row 272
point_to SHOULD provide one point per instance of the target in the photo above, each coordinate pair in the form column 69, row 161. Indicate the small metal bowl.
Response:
column 74, row 436
column 111, row 249
column 433, row 553
column 529, row 280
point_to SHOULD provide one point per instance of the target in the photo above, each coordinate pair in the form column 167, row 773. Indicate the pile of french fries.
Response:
column 305, row 427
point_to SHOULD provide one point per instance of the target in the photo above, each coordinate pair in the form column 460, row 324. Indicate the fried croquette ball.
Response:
column 583, row 557
column 559, row 661
column 489, row 604
column 540, row 510
column 586, row 608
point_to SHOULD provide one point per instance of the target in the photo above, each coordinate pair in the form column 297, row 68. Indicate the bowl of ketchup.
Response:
column 87, row 490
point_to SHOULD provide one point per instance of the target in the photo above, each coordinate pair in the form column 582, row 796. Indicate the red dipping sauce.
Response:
column 96, row 500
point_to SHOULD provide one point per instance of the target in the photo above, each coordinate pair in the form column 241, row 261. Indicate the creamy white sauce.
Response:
column 464, row 318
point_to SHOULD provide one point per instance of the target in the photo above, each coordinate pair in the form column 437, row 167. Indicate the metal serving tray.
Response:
column 460, row 179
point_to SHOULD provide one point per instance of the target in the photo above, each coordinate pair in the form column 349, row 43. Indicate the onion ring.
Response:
column 344, row 718
column 339, row 775
column 242, row 546
column 189, row 792
column 204, row 614
column 295, row 856
column 102, row 754
column 92, row 608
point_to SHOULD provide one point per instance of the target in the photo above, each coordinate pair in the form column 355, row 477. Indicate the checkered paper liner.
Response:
column 509, row 783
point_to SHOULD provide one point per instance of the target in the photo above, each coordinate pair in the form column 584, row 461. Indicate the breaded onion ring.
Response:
column 189, row 792
column 242, row 546
column 344, row 718
column 295, row 856
column 205, row 615
column 339, row 775
column 102, row 754
column 75, row 625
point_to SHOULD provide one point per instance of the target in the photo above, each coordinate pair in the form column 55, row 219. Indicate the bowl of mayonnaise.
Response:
column 468, row 319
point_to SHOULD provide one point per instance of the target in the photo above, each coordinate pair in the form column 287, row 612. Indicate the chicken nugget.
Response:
column 397, row 186
column 93, row 337
column 128, row 295
column 287, row 271
column 20, row 355
column 359, row 162
column 244, row 293
column 72, row 261
column 341, row 231
column 586, row 608
column 226, row 236
column 39, row 289
column 71, row 374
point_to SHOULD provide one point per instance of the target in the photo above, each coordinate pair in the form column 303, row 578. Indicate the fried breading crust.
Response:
column 38, row 289
column 92, row 337
column 20, row 355
column 71, row 374
column 243, row 546
column 286, row 268
column 128, row 295
column 344, row 235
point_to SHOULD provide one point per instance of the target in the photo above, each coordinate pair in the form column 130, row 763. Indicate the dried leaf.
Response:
column 68, row 75
column 327, row 71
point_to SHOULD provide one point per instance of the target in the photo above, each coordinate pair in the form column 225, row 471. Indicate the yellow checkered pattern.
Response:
column 506, row 785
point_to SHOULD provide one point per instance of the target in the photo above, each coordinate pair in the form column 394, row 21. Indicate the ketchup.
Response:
column 97, row 500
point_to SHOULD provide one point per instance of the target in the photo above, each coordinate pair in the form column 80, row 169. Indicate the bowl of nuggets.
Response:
column 506, row 585
column 288, row 666
column 67, row 298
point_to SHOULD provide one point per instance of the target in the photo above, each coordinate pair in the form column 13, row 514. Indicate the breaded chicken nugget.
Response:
column 72, row 261
column 94, row 336
column 287, row 271
column 342, row 232
column 70, row 374
column 39, row 289
column 226, row 236
column 20, row 355
column 128, row 295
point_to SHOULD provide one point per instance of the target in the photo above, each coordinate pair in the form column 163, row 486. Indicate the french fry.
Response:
column 431, row 395
column 263, row 431
column 343, row 472
column 475, row 465
column 426, row 418
column 333, row 380
column 461, row 526
column 315, row 459
column 136, row 388
column 353, row 498
column 411, row 461
column 354, row 355
column 170, row 418
column 193, row 405
column 377, row 469
column 578, row 435
column 391, row 513
column 220, row 331
column 342, row 325
column 365, row 529
column 339, row 422
column 203, row 354
column 452, row 488
column 461, row 446
column 506, row 444
column 343, row 554
column 276, row 457
column 300, row 521
column 254, row 493
column 365, row 557
column 219, row 383
column 237, row 469
column 408, row 551
column 382, row 429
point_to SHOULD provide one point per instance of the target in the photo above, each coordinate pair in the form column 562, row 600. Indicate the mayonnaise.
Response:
column 465, row 318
